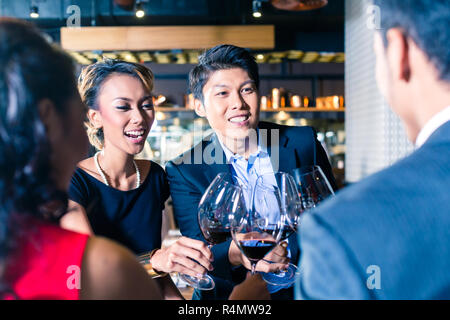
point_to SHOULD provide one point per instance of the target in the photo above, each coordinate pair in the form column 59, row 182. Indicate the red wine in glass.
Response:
column 217, row 235
column 256, row 249
column 284, row 209
column 221, row 199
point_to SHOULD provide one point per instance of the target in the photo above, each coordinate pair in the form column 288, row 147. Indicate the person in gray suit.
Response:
column 388, row 237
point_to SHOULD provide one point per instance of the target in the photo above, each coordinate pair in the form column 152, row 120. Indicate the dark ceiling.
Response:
column 316, row 30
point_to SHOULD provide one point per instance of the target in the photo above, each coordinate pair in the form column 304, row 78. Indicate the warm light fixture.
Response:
column 140, row 13
column 257, row 9
column 298, row 5
column 34, row 12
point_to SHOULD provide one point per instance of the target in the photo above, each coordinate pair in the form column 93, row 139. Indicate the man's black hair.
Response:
column 221, row 57
column 426, row 22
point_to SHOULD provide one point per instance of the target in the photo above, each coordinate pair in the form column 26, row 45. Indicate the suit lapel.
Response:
column 282, row 157
column 218, row 162
column 277, row 142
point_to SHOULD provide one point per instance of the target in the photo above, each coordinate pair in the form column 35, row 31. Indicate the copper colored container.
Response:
column 305, row 102
column 298, row 5
column 275, row 98
column 296, row 101
column 264, row 104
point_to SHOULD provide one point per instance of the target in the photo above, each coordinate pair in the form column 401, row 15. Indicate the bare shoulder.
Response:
column 142, row 163
column 105, row 253
column 110, row 271
column 144, row 166
column 88, row 165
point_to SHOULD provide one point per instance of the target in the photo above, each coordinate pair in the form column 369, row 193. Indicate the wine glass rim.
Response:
column 307, row 169
column 220, row 177
column 314, row 170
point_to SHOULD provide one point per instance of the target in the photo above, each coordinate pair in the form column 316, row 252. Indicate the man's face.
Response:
column 391, row 79
column 230, row 103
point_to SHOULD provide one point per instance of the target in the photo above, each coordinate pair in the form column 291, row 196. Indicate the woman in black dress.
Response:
column 112, row 194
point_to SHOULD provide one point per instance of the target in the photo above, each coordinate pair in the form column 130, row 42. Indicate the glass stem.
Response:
column 253, row 268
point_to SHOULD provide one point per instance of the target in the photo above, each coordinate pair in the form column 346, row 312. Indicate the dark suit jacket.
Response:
column 386, row 237
column 191, row 173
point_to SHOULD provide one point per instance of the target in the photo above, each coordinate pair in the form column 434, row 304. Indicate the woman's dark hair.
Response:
column 92, row 79
column 221, row 57
column 426, row 22
column 30, row 70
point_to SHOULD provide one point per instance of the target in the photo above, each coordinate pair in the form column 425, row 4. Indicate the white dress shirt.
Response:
column 432, row 125
column 246, row 172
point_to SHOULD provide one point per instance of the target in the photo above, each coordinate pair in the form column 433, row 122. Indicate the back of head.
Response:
column 31, row 70
column 93, row 77
column 426, row 22
column 219, row 58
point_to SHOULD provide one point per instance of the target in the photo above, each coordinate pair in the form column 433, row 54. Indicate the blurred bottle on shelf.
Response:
column 280, row 98
column 305, row 102
column 275, row 98
column 159, row 101
column 283, row 97
column 264, row 105
column 336, row 102
column 341, row 102
column 283, row 102
column 295, row 101
column 189, row 101
column 331, row 102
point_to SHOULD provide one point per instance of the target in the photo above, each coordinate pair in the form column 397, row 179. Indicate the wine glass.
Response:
column 313, row 185
column 290, row 208
column 258, row 231
column 221, row 201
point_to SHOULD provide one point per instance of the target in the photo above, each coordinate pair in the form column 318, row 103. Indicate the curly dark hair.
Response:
column 31, row 70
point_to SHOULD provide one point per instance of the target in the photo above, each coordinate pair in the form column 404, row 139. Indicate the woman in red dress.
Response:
column 41, row 140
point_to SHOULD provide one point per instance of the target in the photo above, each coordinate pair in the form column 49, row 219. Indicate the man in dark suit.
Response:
column 225, row 87
column 388, row 236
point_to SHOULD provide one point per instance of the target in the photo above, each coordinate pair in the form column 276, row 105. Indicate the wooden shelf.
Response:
column 173, row 109
column 179, row 109
column 303, row 110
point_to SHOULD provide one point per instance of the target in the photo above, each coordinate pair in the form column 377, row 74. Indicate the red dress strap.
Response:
column 46, row 263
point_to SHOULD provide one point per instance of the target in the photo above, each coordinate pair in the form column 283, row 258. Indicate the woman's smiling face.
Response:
column 125, row 112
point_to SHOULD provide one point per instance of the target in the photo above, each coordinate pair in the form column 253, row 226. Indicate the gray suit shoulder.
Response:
column 396, row 219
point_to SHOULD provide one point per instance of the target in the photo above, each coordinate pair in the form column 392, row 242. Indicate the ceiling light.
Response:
column 140, row 13
column 34, row 12
column 257, row 9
